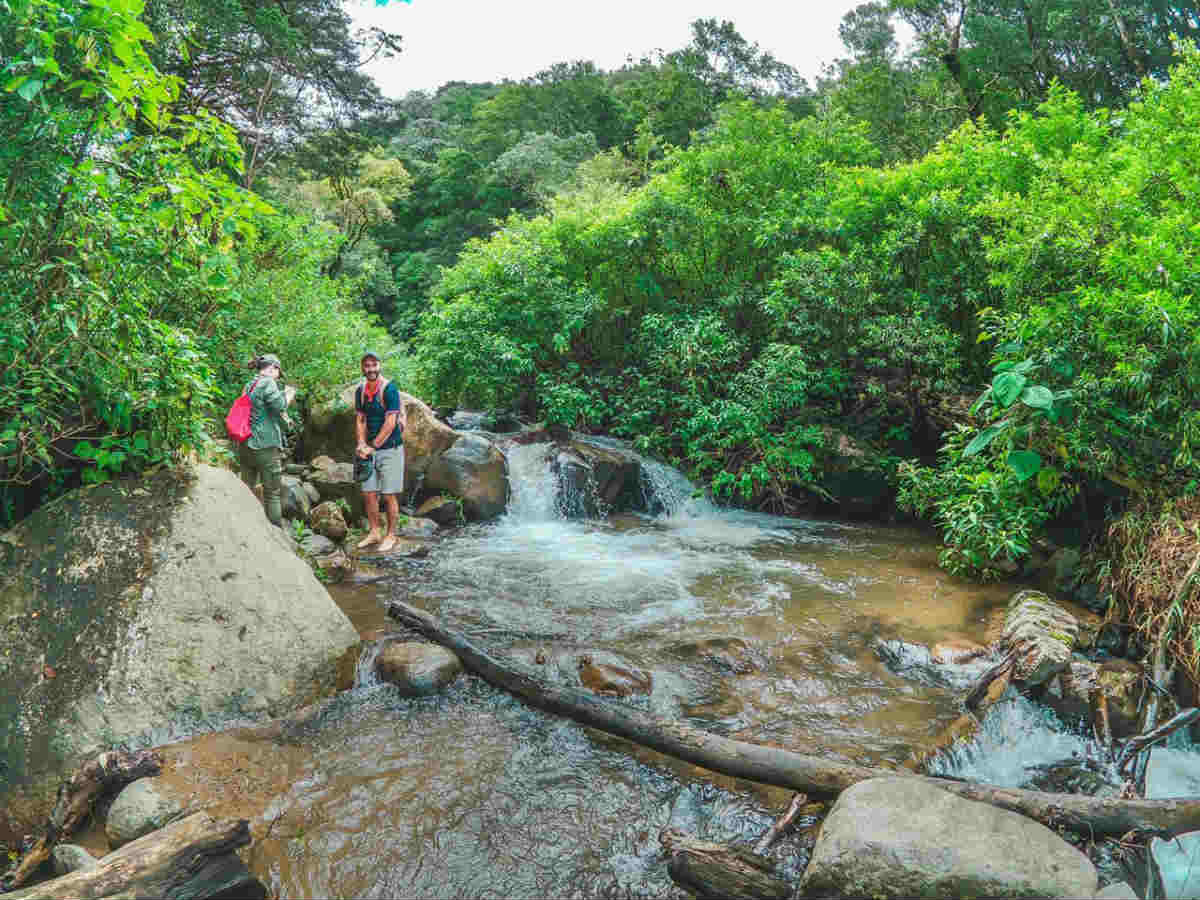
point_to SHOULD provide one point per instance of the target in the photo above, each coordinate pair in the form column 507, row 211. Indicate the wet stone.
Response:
column 1117, row 891
column 417, row 527
column 1041, row 633
column 317, row 545
column 953, row 651
column 1121, row 682
column 1172, row 773
column 442, row 510
column 1176, row 864
column 143, row 806
column 69, row 858
column 327, row 520
column 899, row 837
column 322, row 462
column 618, row 681
column 417, row 669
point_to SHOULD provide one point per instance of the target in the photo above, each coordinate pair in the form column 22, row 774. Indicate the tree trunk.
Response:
column 783, row 768
column 718, row 871
column 109, row 770
column 193, row 858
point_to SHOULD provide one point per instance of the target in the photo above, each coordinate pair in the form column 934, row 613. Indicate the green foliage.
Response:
column 770, row 280
column 1006, row 54
column 277, row 72
column 1097, row 351
column 133, row 263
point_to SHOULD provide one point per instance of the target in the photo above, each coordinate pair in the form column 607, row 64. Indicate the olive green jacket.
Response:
column 267, row 404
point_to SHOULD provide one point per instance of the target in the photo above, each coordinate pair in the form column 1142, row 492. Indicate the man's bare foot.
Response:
column 374, row 537
column 388, row 543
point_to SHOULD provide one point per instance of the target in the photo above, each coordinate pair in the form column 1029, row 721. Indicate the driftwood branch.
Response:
column 717, row 870
column 783, row 768
column 191, row 858
column 782, row 824
column 76, row 796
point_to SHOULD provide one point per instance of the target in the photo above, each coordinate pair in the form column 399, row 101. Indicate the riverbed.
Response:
column 812, row 635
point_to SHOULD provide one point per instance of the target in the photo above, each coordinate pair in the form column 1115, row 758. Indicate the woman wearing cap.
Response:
column 262, row 454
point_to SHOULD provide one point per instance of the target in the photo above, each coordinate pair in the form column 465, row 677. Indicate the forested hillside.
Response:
column 970, row 264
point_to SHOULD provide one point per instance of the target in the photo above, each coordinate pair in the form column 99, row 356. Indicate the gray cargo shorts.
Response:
column 387, row 477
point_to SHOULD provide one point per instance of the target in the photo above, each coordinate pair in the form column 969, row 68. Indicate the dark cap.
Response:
column 269, row 359
column 371, row 353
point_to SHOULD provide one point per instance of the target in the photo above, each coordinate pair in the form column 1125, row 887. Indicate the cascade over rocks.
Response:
column 143, row 608
column 901, row 837
column 595, row 480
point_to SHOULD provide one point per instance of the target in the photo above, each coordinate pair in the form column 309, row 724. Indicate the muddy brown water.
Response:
column 767, row 629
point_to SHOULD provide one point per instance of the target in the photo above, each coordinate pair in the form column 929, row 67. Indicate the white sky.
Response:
column 476, row 40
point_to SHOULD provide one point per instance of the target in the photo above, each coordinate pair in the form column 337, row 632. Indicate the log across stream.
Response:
column 1092, row 816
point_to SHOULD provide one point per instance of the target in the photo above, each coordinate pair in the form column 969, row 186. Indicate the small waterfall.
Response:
column 533, row 487
column 365, row 675
column 542, row 488
column 668, row 492
column 1017, row 741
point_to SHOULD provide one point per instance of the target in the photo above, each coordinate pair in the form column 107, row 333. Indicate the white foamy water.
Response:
column 593, row 577
column 1016, row 739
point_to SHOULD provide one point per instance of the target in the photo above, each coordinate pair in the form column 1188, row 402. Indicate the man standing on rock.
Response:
column 380, row 430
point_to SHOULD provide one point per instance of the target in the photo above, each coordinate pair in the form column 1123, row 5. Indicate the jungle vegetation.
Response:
column 972, row 260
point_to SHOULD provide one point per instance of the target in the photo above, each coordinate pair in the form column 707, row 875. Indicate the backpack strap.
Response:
column 360, row 393
column 253, row 385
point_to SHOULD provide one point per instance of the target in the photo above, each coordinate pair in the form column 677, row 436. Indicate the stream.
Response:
column 808, row 634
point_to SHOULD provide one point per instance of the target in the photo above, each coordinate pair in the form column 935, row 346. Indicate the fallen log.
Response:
column 76, row 796
column 720, row 871
column 193, row 858
column 1090, row 816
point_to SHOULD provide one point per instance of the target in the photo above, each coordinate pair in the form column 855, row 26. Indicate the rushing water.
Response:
column 769, row 629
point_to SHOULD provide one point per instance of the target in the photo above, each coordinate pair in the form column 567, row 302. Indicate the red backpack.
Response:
column 237, row 422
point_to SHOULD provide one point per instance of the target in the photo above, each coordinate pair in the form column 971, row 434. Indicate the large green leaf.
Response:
column 984, row 438
column 1025, row 463
column 1038, row 396
column 1007, row 387
column 29, row 89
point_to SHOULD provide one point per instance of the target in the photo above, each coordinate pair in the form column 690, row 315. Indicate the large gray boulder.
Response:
column 474, row 470
column 902, row 837
column 137, row 611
